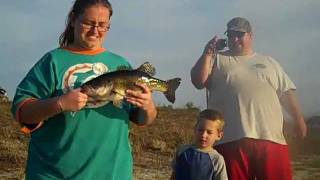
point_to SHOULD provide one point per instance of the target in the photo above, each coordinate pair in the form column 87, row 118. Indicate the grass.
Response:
column 13, row 145
column 153, row 146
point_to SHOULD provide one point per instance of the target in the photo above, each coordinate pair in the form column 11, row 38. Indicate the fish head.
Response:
column 97, row 91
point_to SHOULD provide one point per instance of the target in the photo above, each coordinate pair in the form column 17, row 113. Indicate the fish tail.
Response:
column 173, row 84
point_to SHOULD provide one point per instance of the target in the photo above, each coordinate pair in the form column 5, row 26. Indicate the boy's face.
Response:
column 207, row 133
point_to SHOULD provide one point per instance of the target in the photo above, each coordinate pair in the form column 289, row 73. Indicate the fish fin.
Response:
column 123, row 67
column 173, row 84
column 116, row 99
column 117, row 103
column 147, row 68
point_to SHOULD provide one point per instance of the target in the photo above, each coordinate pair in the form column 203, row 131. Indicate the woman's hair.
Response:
column 78, row 8
column 212, row 115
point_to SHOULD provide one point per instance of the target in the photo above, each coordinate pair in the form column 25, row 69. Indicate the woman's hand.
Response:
column 143, row 100
column 73, row 100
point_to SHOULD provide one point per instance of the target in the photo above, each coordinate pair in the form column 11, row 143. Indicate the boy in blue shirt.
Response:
column 200, row 160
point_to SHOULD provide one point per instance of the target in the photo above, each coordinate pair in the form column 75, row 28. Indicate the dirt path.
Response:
column 304, row 168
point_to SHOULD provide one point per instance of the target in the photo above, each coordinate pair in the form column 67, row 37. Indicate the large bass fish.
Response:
column 111, row 86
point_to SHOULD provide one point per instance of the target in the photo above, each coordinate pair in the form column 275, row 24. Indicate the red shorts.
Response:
column 254, row 159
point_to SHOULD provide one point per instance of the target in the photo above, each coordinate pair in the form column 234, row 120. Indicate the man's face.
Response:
column 239, row 41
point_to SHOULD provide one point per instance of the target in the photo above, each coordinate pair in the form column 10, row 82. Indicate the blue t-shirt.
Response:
column 191, row 163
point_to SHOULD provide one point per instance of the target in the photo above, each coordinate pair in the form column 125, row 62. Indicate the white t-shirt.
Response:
column 246, row 89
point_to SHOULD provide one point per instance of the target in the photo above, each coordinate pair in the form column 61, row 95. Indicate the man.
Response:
column 249, row 89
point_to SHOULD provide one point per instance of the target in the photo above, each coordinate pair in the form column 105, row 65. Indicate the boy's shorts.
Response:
column 247, row 159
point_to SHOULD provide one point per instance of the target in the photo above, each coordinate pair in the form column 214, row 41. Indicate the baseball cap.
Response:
column 238, row 24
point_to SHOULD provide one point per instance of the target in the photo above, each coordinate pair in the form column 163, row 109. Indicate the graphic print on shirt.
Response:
column 81, row 73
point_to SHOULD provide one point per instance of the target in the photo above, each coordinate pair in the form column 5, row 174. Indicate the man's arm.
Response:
column 290, row 102
column 173, row 176
column 202, row 69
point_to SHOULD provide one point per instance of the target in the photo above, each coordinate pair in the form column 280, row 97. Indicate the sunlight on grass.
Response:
column 153, row 146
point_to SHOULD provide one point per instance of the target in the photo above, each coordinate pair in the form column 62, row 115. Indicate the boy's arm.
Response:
column 174, row 163
column 220, row 169
column 173, row 176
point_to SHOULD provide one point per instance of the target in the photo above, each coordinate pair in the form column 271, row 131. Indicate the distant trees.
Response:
column 188, row 105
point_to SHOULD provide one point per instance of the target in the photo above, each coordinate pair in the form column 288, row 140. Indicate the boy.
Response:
column 199, row 160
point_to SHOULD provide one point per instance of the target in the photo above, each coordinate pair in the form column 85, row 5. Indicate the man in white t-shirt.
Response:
column 249, row 89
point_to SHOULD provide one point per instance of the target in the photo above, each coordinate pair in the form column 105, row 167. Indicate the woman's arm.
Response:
column 36, row 111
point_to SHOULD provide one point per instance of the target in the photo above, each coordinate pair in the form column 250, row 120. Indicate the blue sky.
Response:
column 171, row 35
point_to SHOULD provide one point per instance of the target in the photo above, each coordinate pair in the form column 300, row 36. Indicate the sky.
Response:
column 171, row 35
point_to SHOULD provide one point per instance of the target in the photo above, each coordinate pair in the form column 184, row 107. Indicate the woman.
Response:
column 70, row 138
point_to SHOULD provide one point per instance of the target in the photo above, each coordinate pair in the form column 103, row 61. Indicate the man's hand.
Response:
column 211, row 46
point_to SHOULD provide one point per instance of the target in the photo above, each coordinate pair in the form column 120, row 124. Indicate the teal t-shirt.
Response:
column 88, row 144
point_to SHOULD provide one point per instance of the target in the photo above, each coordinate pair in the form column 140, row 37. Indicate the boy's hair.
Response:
column 212, row 115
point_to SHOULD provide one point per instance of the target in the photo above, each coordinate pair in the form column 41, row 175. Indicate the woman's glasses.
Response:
column 101, row 27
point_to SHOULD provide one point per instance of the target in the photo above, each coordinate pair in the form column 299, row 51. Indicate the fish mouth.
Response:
column 97, row 93
column 97, row 97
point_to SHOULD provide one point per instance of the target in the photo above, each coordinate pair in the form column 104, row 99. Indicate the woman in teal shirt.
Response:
column 70, row 138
